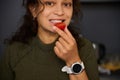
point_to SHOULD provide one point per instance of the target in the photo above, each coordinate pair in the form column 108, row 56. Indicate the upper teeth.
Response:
column 56, row 21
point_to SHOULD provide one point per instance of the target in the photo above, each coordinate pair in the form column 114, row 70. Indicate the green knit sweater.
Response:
column 37, row 61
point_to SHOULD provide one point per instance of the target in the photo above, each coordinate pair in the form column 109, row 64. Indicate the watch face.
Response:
column 77, row 68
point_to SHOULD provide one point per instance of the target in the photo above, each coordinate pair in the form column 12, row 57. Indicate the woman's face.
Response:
column 54, row 11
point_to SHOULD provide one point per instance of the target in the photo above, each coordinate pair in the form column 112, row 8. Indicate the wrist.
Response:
column 69, row 63
column 75, row 68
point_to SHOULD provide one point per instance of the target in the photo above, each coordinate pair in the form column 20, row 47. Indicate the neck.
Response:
column 47, row 37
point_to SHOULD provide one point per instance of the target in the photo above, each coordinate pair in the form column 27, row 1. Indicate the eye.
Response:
column 48, row 3
column 68, row 4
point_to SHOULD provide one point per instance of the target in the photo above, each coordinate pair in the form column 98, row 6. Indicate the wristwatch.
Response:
column 76, row 68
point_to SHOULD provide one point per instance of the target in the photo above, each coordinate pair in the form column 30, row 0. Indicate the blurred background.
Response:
column 100, row 24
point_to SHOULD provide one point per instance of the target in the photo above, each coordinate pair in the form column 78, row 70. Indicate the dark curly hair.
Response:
column 29, row 27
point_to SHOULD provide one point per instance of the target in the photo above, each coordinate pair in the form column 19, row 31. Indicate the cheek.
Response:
column 40, row 20
column 69, row 13
column 69, row 16
column 45, row 13
column 42, row 17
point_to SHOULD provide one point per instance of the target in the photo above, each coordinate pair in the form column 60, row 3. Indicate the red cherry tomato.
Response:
column 60, row 25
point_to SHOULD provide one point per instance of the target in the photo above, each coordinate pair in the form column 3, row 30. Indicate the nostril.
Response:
column 59, row 10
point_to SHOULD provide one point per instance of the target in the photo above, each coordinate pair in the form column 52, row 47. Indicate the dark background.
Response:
column 101, row 22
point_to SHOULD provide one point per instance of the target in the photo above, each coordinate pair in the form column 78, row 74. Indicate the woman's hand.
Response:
column 66, row 47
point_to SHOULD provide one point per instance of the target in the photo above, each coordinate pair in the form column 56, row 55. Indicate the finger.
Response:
column 60, row 32
column 56, row 50
column 68, row 33
column 63, row 42
column 60, row 47
column 65, row 35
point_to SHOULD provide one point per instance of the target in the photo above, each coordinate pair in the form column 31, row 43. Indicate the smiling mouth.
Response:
column 54, row 21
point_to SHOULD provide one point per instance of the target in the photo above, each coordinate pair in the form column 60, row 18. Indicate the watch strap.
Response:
column 67, row 69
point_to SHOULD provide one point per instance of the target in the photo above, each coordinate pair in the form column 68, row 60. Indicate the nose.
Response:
column 59, row 10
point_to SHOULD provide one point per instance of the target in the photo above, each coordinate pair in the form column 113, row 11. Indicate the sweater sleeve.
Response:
column 6, row 72
column 88, row 56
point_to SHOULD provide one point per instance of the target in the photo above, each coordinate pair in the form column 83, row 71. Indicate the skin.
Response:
column 48, row 33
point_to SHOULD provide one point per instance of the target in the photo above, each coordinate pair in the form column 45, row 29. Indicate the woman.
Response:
column 39, row 50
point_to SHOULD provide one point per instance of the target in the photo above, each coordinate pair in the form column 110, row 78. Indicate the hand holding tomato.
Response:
column 66, row 47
